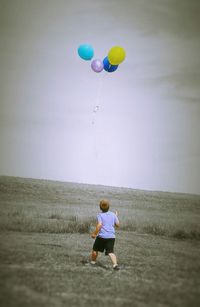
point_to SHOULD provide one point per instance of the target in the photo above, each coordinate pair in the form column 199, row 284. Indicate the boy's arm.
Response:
column 95, row 233
column 117, row 224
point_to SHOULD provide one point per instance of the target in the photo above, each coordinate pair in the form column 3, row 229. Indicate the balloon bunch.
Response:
column 116, row 55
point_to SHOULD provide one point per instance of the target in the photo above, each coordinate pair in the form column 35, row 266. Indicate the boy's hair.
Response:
column 104, row 205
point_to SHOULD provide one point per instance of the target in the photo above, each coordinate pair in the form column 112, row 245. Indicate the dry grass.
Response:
column 56, row 223
column 157, row 229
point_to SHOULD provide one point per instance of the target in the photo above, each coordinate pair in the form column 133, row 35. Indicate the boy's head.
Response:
column 104, row 205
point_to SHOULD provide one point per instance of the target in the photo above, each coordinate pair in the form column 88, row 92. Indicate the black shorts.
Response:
column 102, row 244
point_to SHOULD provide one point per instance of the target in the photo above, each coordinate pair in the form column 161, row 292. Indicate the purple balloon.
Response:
column 97, row 65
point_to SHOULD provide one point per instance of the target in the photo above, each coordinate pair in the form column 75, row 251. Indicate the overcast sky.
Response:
column 137, row 127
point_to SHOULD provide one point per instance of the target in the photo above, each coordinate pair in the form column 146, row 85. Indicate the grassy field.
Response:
column 45, row 246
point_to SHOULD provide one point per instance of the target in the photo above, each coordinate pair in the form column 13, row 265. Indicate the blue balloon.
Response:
column 108, row 67
column 86, row 52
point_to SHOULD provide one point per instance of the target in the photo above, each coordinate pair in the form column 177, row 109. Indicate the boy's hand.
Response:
column 116, row 213
column 93, row 235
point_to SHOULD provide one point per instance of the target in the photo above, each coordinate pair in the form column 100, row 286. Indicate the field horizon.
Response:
column 45, row 241
column 98, row 185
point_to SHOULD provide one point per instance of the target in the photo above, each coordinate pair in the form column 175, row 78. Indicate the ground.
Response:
column 49, row 266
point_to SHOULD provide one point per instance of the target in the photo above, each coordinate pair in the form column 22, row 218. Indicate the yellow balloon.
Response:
column 116, row 55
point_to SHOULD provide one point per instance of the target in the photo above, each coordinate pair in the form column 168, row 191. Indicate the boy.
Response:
column 104, row 234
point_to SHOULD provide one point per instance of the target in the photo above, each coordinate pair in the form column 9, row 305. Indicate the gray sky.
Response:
column 145, row 133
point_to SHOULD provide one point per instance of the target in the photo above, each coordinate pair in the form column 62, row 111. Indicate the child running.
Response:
column 104, row 234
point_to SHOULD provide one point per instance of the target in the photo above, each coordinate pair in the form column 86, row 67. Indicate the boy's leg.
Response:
column 110, row 252
column 94, row 256
column 113, row 259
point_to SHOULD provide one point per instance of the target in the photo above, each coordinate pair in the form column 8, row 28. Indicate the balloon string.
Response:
column 95, row 111
column 98, row 102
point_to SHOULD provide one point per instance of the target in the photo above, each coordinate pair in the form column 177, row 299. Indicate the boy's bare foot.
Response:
column 116, row 267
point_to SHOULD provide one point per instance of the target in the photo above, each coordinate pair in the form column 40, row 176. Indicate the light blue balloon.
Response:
column 86, row 52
